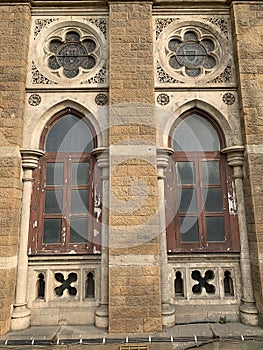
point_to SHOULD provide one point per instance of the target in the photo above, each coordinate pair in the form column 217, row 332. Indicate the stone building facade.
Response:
column 131, row 163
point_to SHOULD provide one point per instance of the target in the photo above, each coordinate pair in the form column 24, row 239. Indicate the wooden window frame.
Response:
column 36, row 245
column 174, row 243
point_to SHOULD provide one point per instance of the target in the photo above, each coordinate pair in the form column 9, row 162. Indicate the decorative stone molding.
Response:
column 193, row 50
column 235, row 155
column 40, row 24
column 34, row 100
column 102, row 156
column 163, row 99
column 101, row 99
column 228, row 98
column 69, row 50
column 30, row 158
column 163, row 155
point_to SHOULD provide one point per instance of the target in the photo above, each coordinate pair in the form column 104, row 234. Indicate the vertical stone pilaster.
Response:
column 134, row 242
column 20, row 318
column 247, row 29
column 15, row 21
column 102, row 313
column 248, row 311
column 168, row 316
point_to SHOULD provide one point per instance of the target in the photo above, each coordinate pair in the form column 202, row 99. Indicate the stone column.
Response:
column 248, row 311
column 168, row 317
column 102, row 314
column 134, row 237
column 20, row 318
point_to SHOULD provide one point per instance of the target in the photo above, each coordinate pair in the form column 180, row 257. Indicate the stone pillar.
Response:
column 247, row 38
column 102, row 313
column 248, row 311
column 134, row 240
column 168, row 316
column 15, row 22
column 20, row 318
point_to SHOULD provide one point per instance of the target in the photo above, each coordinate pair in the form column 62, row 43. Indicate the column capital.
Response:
column 102, row 156
column 30, row 158
column 163, row 155
column 235, row 155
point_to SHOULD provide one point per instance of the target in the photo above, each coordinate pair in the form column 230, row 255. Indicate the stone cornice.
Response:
column 57, row 3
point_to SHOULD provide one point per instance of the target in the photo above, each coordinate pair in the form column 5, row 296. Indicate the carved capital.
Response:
column 235, row 155
column 163, row 156
column 102, row 156
column 30, row 158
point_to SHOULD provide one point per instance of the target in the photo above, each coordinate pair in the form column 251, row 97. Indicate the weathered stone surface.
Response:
column 14, row 38
column 248, row 20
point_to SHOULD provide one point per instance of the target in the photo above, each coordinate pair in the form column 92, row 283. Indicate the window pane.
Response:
column 69, row 134
column 187, row 200
column 211, row 174
column 78, row 230
column 189, row 229
column 195, row 133
column 53, row 201
column 185, row 173
column 55, row 174
column 79, row 201
column 80, row 173
column 215, row 228
column 52, row 231
column 213, row 199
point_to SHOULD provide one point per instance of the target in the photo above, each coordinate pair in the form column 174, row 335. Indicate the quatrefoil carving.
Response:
column 203, row 282
column 66, row 284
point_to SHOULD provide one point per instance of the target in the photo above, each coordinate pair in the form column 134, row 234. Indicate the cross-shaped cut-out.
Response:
column 203, row 282
column 66, row 284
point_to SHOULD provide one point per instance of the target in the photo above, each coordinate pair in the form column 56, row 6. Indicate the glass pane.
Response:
column 69, row 134
column 210, row 171
column 213, row 199
column 185, row 173
column 189, row 229
column 55, row 173
column 80, row 173
column 78, row 230
column 195, row 133
column 52, row 231
column 215, row 228
column 79, row 201
column 53, row 201
column 187, row 200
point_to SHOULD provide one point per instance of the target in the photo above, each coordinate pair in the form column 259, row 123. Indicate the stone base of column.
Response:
column 20, row 318
column 102, row 317
column 168, row 316
column 248, row 313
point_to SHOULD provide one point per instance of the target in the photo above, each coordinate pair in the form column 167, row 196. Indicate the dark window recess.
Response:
column 41, row 286
column 90, row 286
column 178, row 285
column 66, row 284
column 62, row 197
column 203, row 282
column 228, row 284
column 198, row 183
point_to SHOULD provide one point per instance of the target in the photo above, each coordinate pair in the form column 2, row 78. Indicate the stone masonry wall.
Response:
column 134, row 251
column 14, row 34
column 248, row 37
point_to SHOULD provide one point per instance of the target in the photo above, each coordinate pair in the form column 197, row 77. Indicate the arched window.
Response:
column 199, row 193
column 62, row 199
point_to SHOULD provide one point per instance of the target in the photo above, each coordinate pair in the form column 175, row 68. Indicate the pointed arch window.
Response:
column 62, row 199
column 199, row 189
